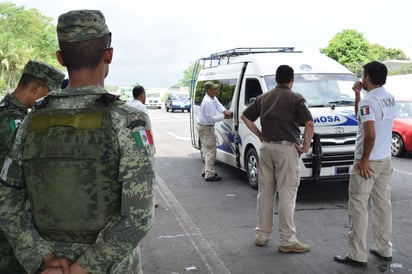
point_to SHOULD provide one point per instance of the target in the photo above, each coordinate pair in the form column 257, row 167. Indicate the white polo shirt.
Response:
column 137, row 104
column 378, row 105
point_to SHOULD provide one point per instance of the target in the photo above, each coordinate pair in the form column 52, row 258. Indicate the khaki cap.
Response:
column 210, row 85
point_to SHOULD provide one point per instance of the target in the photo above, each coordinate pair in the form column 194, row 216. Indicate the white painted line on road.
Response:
column 177, row 236
column 403, row 172
column 178, row 137
column 214, row 264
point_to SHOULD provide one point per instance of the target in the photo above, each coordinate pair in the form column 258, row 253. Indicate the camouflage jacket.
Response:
column 116, row 247
column 12, row 112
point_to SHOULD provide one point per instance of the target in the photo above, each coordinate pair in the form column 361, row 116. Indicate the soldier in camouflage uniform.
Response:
column 79, row 180
column 37, row 80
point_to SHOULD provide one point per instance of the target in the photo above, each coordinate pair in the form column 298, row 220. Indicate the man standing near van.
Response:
column 210, row 112
column 281, row 112
column 139, row 99
column 372, row 169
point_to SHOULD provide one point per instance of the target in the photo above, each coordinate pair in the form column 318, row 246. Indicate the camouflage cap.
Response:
column 210, row 85
column 42, row 71
column 81, row 25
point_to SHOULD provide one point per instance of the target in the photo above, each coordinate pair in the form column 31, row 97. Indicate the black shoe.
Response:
column 349, row 261
column 375, row 253
column 213, row 178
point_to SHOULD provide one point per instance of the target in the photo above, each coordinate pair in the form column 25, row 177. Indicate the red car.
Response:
column 402, row 128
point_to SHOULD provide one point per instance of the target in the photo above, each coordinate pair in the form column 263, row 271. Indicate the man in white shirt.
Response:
column 211, row 111
column 371, row 173
column 139, row 99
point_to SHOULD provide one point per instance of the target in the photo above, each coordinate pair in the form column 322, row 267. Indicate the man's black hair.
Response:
column 377, row 72
column 284, row 74
column 137, row 91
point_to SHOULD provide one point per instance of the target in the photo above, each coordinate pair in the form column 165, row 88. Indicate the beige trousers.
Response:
column 279, row 171
column 378, row 189
column 208, row 143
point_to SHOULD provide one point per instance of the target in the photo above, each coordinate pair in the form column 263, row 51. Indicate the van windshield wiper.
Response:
column 341, row 102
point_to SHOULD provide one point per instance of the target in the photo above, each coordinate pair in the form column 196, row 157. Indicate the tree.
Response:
column 352, row 50
column 25, row 35
column 377, row 52
column 187, row 77
column 349, row 48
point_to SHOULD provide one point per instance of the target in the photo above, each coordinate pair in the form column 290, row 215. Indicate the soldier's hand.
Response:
column 56, row 265
column 75, row 268
column 53, row 270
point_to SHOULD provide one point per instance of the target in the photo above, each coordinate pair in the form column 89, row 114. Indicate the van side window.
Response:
column 199, row 92
column 252, row 90
column 226, row 91
column 225, row 94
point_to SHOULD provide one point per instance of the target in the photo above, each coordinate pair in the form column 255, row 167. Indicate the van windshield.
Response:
column 322, row 89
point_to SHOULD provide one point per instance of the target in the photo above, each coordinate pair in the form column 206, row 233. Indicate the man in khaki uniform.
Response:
column 281, row 112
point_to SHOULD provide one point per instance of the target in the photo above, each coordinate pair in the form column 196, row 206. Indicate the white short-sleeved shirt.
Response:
column 211, row 111
column 137, row 104
column 378, row 105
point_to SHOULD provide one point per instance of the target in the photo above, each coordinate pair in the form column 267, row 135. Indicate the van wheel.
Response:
column 252, row 167
column 398, row 148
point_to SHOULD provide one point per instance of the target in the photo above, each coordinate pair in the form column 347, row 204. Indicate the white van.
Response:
column 153, row 99
column 245, row 73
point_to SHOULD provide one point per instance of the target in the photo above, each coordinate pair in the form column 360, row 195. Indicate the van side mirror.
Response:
column 251, row 100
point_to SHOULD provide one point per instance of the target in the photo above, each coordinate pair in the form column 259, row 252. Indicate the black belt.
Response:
column 205, row 125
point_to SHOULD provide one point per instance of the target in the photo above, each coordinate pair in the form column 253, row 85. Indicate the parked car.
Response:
column 402, row 128
column 177, row 102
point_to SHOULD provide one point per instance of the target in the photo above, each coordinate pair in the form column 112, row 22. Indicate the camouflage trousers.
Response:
column 8, row 263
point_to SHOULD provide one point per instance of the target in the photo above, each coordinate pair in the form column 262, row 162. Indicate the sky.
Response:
column 154, row 41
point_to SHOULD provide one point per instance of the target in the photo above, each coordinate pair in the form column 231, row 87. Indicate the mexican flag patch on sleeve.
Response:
column 143, row 138
column 14, row 124
column 364, row 110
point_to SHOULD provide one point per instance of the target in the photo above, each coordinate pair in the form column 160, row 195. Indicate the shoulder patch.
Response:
column 143, row 138
column 364, row 110
column 136, row 123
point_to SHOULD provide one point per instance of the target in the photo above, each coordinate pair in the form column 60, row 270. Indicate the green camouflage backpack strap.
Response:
column 71, row 155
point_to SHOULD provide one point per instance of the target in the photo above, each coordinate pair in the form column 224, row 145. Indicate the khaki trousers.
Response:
column 279, row 170
column 378, row 189
column 208, row 143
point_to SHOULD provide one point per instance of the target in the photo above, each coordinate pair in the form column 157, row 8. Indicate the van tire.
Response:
column 252, row 167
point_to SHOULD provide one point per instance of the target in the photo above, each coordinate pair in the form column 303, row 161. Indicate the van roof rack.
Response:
column 242, row 51
column 226, row 54
column 216, row 58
